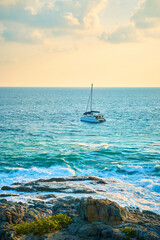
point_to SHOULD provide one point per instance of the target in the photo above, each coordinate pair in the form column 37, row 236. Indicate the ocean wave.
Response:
column 138, row 193
column 27, row 174
column 91, row 146
column 130, row 169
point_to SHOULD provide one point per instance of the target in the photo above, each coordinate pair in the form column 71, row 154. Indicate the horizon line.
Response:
column 74, row 87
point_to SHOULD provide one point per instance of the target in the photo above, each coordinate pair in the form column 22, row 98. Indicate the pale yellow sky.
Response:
column 82, row 48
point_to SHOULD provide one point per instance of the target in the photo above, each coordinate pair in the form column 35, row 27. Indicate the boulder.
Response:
column 102, row 210
column 13, row 215
column 87, row 230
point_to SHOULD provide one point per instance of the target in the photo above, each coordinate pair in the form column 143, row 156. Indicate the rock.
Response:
column 7, row 233
column 10, row 235
column 3, row 201
column 51, row 187
column 102, row 210
column 73, row 184
column 74, row 178
column 93, row 219
column 12, row 215
column 118, row 235
column 62, row 235
column 107, row 233
column 87, row 231
column 69, row 206
column 46, row 196
column 73, row 228
column 34, row 237
column 100, row 226
column 19, row 189
column 8, row 195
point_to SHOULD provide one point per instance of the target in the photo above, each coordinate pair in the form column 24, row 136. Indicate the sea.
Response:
column 41, row 136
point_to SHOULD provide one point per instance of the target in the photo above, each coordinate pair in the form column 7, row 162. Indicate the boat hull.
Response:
column 92, row 120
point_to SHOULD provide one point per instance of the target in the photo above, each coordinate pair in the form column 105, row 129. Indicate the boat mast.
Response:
column 91, row 95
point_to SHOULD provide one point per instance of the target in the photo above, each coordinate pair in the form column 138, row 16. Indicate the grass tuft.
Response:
column 43, row 225
column 129, row 232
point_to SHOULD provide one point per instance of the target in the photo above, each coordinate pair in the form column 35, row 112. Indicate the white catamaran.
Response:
column 92, row 116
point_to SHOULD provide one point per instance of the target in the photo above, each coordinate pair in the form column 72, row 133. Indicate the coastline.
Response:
column 93, row 218
column 79, row 186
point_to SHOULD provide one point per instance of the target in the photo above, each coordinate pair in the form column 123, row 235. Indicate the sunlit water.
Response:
column 41, row 136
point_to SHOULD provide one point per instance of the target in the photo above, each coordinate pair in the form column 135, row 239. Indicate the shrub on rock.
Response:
column 129, row 232
column 43, row 225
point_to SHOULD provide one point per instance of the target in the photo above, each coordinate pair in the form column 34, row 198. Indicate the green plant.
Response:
column 129, row 232
column 43, row 225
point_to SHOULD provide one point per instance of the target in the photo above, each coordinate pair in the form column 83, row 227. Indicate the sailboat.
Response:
column 92, row 116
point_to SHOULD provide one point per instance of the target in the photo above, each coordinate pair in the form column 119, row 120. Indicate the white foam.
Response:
column 131, row 168
column 23, row 175
column 126, row 190
column 91, row 146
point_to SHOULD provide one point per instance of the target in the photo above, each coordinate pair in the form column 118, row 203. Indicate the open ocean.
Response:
column 41, row 136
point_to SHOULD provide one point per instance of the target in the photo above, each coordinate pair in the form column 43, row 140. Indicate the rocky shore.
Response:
column 92, row 219
column 73, row 184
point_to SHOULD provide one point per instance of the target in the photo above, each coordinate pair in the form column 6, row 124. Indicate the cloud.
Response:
column 7, row 2
column 147, row 15
column 10, row 3
column 71, row 20
column 31, row 10
column 61, row 16
column 91, row 19
column 48, row 15
column 144, row 23
column 123, row 34
column 20, row 34
column 43, row 19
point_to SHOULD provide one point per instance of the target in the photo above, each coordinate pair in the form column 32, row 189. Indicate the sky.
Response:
column 73, row 43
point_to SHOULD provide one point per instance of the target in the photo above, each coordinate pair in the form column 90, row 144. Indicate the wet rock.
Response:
column 19, row 189
column 73, row 184
column 3, row 201
column 74, row 178
column 51, row 187
column 46, row 196
column 9, row 195
column 102, row 210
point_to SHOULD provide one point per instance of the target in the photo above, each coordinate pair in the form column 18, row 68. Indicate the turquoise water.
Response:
column 41, row 136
